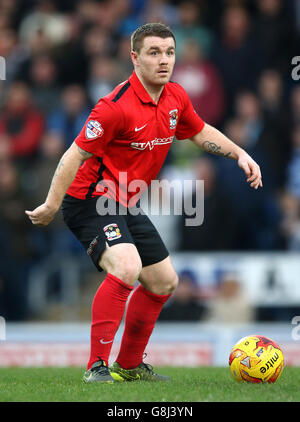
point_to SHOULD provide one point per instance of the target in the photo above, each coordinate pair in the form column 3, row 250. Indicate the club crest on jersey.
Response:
column 112, row 231
column 93, row 130
column 173, row 116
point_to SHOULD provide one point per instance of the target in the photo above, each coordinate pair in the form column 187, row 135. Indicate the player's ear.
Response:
column 134, row 57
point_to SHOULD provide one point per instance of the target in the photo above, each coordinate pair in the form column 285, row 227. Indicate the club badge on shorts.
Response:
column 112, row 231
column 93, row 130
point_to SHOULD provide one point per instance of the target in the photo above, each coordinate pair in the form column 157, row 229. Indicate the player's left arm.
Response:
column 215, row 142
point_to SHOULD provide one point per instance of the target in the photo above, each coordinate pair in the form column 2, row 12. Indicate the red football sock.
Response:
column 107, row 312
column 142, row 312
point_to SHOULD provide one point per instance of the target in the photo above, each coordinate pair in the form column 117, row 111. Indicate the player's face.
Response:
column 156, row 59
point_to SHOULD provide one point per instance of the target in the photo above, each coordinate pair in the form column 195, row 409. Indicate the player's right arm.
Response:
column 62, row 179
column 104, row 122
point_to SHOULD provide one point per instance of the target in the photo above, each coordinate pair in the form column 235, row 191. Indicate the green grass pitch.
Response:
column 203, row 384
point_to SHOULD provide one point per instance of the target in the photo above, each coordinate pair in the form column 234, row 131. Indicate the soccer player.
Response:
column 129, row 132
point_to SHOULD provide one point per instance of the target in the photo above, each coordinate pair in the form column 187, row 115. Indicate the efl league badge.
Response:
column 92, row 245
column 93, row 129
column 173, row 115
column 112, row 231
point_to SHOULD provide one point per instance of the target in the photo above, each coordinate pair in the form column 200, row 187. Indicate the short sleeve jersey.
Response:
column 129, row 136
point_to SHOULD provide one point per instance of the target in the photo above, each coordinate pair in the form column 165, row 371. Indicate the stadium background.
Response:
column 239, row 271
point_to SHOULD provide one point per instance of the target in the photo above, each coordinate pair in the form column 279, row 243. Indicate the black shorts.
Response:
column 94, row 231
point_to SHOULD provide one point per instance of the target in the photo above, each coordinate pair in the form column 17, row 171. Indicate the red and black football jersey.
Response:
column 129, row 136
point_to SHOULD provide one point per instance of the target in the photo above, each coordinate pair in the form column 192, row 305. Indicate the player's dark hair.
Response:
column 149, row 30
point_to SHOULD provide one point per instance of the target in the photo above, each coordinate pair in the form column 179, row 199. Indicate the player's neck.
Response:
column 154, row 91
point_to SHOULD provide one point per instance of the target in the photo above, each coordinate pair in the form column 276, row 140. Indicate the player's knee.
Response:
column 127, row 268
column 122, row 261
column 173, row 283
column 169, row 285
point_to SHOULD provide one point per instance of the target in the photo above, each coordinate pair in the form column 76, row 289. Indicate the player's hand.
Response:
column 42, row 215
column 251, row 169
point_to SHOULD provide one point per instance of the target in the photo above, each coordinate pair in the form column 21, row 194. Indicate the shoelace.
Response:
column 99, row 367
column 147, row 366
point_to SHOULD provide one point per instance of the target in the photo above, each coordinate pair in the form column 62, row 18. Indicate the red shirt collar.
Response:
column 141, row 91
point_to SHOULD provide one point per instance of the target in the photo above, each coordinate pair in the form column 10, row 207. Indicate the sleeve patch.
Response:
column 93, row 130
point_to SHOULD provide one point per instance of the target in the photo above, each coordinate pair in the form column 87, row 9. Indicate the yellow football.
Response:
column 256, row 359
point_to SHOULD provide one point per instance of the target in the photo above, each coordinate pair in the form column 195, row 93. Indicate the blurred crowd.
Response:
column 234, row 58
